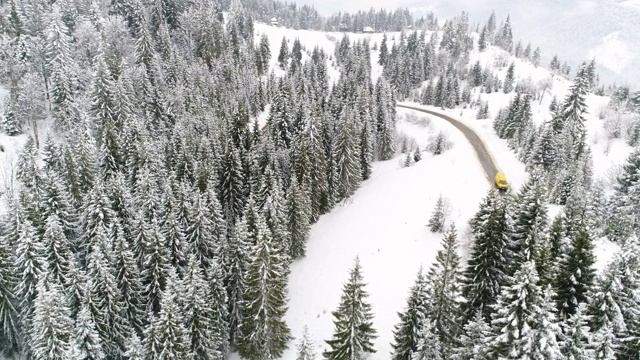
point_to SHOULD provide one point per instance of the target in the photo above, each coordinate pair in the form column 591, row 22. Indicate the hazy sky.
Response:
column 608, row 30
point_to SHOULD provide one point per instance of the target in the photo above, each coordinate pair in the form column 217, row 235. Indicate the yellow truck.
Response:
column 501, row 182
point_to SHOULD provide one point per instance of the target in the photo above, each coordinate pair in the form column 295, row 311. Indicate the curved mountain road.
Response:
column 483, row 154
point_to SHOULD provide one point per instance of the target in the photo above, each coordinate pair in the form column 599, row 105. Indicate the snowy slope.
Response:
column 385, row 224
column 385, row 221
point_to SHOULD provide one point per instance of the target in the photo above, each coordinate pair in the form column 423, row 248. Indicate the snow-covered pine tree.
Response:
column 231, row 186
column 345, row 154
column 473, row 341
column 429, row 347
column 606, row 319
column 87, row 340
column 385, row 120
column 443, row 284
column 354, row 333
column 10, row 123
column 9, row 310
column 575, row 272
column 128, row 280
column 487, row 266
column 298, row 208
column 200, row 317
column 529, row 225
column 509, row 78
column 577, row 337
column 264, row 334
column 58, row 254
column 408, row 332
column 306, row 346
column 235, row 263
column 51, row 334
column 200, row 231
column 439, row 216
column 104, row 300
column 283, row 55
column 524, row 324
column 166, row 336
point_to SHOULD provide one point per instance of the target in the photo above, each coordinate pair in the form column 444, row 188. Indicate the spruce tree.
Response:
column 204, row 343
column 444, row 280
column 345, row 155
column 439, row 215
column 9, row 310
column 298, row 208
column 487, row 266
column 473, row 342
column 201, row 233
column 408, row 332
column 354, row 333
column 575, row 272
column 508, row 80
column 51, row 333
column 429, row 347
column 605, row 312
column 263, row 306
column 524, row 323
column 128, row 280
column 235, row 263
column 306, row 347
column 89, row 345
column 576, row 341
column 166, row 336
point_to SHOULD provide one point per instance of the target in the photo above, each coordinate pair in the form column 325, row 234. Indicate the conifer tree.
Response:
column 298, row 208
column 231, row 186
column 439, row 215
column 236, row 259
column 128, row 280
column 263, row 305
column 283, row 55
column 155, row 266
column 487, row 266
column 444, row 279
column 575, row 272
column 201, row 233
column 9, row 310
column 354, row 332
column 104, row 300
column 306, row 347
column 166, row 336
column 429, row 347
column 89, row 345
column 58, row 254
column 199, row 314
column 473, row 342
column 508, row 80
column 408, row 332
column 577, row 336
column 524, row 323
column 51, row 336
column 605, row 312
column 529, row 223
column 384, row 51
column 345, row 154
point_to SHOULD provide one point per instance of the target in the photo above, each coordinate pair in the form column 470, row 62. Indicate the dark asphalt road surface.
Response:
column 487, row 162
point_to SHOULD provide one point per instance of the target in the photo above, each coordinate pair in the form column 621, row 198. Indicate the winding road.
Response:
column 484, row 156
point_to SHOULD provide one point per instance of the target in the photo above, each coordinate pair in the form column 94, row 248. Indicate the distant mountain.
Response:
column 608, row 30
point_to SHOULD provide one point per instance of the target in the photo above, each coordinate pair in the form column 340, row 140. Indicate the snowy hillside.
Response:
column 384, row 223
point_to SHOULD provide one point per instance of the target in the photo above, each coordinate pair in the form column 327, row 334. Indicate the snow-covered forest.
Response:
column 171, row 163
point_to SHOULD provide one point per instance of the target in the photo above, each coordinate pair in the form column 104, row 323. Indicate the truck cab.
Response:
column 501, row 182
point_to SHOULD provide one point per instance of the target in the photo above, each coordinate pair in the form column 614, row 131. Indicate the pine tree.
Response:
column 236, row 259
column 444, row 280
column 201, row 234
column 9, row 310
column 104, row 300
column 529, row 223
column 11, row 124
column 306, row 347
column 354, row 332
column 204, row 343
column 408, row 332
column 51, row 336
column 231, row 186
column 577, row 336
column 429, row 347
column 605, row 312
column 384, row 51
column 283, row 55
column 524, row 323
column 575, row 272
column 89, row 345
column 166, row 336
column 473, row 342
column 439, row 215
column 297, row 210
column 128, row 280
column 263, row 305
column 345, row 154
column 487, row 265
column 508, row 80
column 58, row 254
